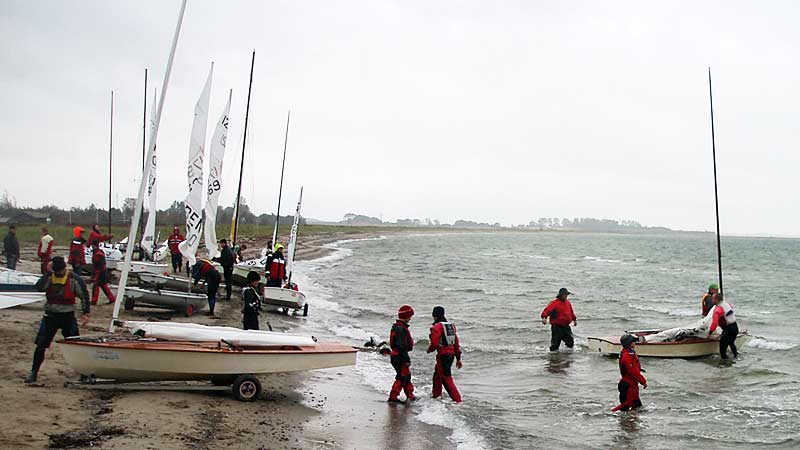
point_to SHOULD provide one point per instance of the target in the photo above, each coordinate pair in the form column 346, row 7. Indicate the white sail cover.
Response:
column 202, row 333
column 216, row 154
column 293, row 237
column 8, row 276
column 194, row 199
column 698, row 329
column 148, row 237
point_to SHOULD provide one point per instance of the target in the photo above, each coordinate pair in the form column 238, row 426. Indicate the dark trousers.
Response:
column 728, row 339
column 177, row 262
column 45, row 263
column 628, row 396
column 11, row 262
column 560, row 333
column 402, row 381
column 228, row 271
column 250, row 323
column 48, row 328
column 212, row 284
column 274, row 283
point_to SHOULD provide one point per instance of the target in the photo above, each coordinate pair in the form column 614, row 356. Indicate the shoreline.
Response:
column 329, row 408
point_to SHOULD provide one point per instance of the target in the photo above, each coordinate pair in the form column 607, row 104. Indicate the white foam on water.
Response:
column 760, row 342
column 439, row 413
column 351, row 331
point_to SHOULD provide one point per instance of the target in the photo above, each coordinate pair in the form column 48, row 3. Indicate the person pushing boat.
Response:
column 444, row 341
column 632, row 377
column 205, row 270
column 61, row 288
column 560, row 313
column 725, row 318
column 401, row 344
column 251, row 302
column 707, row 303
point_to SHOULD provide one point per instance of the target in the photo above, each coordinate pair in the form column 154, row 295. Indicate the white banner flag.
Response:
column 194, row 200
column 216, row 153
column 148, row 237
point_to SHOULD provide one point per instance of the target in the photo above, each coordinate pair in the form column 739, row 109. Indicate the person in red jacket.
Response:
column 173, row 241
column 401, row 343
column 444, row 341
column 632, row 377
column 725, row 318
column 560, row 313
column 204, row 269
column 96, row 235
column 77, row 250
column 100, row 274
column 45, row 250
column 707, row 302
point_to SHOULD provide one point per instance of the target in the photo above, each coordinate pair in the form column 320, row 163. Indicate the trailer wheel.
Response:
column 188, row 310
column 128, row 304
column 246, row 388
column 305, row 310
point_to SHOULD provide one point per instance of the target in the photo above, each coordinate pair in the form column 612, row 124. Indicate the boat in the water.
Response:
column 196, row 352
column 689, row 347
column 184, row 302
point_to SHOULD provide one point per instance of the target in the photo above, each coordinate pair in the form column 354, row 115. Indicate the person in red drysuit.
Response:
column 401, row 343
column 172, row 242
column 444, row 341
column 632, row 377
column 724, row 318
column 100, row 274
column 560, row 313
column 96, row 235
column 77, row 251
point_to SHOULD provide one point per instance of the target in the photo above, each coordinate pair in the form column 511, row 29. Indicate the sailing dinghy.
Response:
column 287, row 297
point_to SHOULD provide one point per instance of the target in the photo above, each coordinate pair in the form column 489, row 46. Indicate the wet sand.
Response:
column 327, row 409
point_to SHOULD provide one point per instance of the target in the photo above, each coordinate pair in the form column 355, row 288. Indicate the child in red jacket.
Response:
column 632, row 377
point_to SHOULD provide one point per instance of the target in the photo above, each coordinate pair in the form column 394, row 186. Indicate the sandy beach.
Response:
column 327, row 409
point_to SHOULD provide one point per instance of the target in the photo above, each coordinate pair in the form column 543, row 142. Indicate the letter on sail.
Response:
column 148, row 237
column 194, row 200
column 215, row 155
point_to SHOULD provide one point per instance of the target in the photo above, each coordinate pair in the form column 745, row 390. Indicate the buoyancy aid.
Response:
column 77, row 251
column 727, row 312
column 448, row 335
column 60, row 290
column 277, row 267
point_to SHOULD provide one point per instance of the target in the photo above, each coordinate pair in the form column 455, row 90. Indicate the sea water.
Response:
column 518, row 394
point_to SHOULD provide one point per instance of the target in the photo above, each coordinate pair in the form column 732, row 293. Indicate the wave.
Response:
column 763, row 343
column 600, row 259
column 438, row 413
column 675, row 312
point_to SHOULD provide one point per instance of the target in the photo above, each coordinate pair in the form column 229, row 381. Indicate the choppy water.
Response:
column 518, row 394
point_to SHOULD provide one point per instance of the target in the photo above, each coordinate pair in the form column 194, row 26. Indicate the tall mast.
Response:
column 110, row 154
column 280, row 190
column 144, row 120
column 716, row 194
column 137, row 210
column 244, row 144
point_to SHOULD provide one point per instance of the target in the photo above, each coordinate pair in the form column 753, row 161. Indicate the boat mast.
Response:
column 110, row 154
column 137, row 211
column 280, row 190
column 241, row 165
column 144, row 134
column 716, row 195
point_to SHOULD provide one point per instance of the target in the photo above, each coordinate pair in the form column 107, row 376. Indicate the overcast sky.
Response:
column 488, row 111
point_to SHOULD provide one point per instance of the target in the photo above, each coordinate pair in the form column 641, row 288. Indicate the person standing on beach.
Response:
column 725, row 319
column 77, row 250
column 172, row 242
column 560, row 313
column 11, row 248
column 205, row 270
column 45, row 249
column 96, row 235
column 632, row 377
column 251, row 302
column 444, row 341
column 276, row 267
column 401, row 343
column 61, row 288
column 707, row 303
column 100, row 277
column 226, row 260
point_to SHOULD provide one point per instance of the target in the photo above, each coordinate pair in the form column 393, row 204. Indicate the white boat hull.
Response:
column 689, row 348
column 150, row 360
column 148, row 267
column 286, row 298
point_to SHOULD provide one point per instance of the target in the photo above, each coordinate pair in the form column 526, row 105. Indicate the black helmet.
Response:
column 627, row 339
column 438, row 312
column 59, row 264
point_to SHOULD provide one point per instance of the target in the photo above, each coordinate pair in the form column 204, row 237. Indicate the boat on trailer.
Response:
column 186, row 303
column 170, row 282
column 285, row 298
column 691, row 347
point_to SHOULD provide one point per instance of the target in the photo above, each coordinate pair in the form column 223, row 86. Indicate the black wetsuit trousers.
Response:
column 560, row 333
column 728, row 339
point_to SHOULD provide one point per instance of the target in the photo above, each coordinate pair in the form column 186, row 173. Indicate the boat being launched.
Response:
column 688, row 347
column 286, row 299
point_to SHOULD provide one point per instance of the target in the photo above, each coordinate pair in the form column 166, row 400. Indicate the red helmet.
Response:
column 405, row 312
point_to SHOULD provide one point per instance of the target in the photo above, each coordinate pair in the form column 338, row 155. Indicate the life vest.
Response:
column 727, row 313
column 277, row 269
column 65, row 296
column 77, row 251
column 706, row 304
column 448, row 334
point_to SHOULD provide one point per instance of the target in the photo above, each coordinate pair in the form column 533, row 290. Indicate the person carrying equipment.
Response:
column 725, row 319
column 61, row 288
column 632, row 377
column 276, row 267
column 251, row 302
column 707, row 303
column 45, row 250
column 560, row 313
column 100, row 277
column 401, row 343
column 205, row 270
column 172, row 242
column 444, row 341
column 77, row 250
